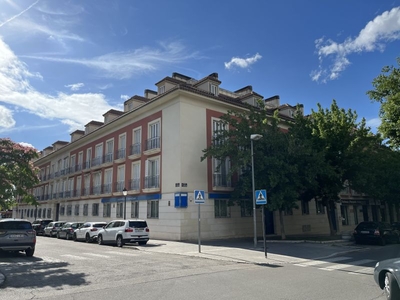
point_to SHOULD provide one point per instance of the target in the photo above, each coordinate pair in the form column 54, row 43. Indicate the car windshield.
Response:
column 138, row 224
column 367, row 226
column 15, row 225
column 98, row 225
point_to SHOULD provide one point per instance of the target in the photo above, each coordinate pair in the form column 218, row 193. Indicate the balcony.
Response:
column 97, row 161
column 152, row 182
column 96, row 190
column 86, row 165
column 121, row 153
column 136, row 149
column 135, row 184
column 107, row 188
column 86, row 191
column 119, row 186
column 108, row 158
column 153, row 143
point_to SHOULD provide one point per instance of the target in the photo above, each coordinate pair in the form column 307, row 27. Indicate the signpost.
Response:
column 261, row 199
column 199, row 198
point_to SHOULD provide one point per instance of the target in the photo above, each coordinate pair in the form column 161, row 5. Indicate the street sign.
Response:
column 261, row 197
column 199, row 197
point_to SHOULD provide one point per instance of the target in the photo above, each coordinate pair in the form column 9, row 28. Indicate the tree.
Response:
column 387, row 92
column 276, row 158
column 17, row 173
column 340, row 141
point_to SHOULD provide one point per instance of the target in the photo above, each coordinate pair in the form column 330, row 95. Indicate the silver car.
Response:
column 17, row 235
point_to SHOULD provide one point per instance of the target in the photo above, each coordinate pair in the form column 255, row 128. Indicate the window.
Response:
column 107, row 181
column 135, row 209
column 344, row 213
column 135, row 182
column 120, row 209
column 80, row 161
column 152, row 208
column 319, row 207
column 87, row 185
column 305, row 207
column 72, row 163
column 161, row 89
column 76, row 212
column 153, row 141
column 151, row 179
column 39, row 213
column 221, row 177
column 213, row 89
column 288, row 212
column 78, row 186
column 120, row 178
column 246, row 208
column 122, row 146
column 95, row 209
column 88, row 158
column 69, row 210
column 85, row 209
column 97, row 183
column 109, row 151
column 107, row 210
column 98, row 155
column 221, row 208
column 137, row 140
column 48, row 213
column 62, row 210
column 218, row 129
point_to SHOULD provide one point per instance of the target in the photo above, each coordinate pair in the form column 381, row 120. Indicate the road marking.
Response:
column 320, row 262
column 364, row 271
column 97, row 255
column 121, row 253
column 73, row 256
column 349, row 265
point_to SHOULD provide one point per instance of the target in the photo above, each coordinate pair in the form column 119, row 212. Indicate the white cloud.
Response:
column 123, row 65
column 75, row 86
column 17, row 15
column 6, row 118
column 125, row 97
column 242, row 62
column 75, row 110
column 26, row 145
column 383, row 29
column 374, row 123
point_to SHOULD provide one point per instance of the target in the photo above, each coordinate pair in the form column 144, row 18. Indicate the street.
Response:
column 64, row 269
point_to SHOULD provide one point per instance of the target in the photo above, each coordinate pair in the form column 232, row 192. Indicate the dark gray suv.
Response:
column 17, row 235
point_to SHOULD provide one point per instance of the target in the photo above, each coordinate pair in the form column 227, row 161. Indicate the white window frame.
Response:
column 136, row 141
column 153, row 209
column 214, row 89
column 135, row 175
column 120, row 210
column 108, row 176
column 152, row 169
column 107, row 210
column 109, row 150
column 95, row 209
column 161, row 89
column 122, row 145
column 120, row 178
column 154, row 134
column 135, row 209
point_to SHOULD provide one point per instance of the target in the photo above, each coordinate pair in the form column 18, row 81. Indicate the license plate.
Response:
column 364, row 231
column 139, row 230
column 13, row 236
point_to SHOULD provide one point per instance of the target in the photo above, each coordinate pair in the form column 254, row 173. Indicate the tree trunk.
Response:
column 283, row 234
column 330, row 208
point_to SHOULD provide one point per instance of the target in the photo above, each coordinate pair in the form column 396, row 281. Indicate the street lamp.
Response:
column 254, row 137
column 124, row 192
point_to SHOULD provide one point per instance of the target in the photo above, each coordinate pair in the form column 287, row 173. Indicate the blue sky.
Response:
column 65, row 63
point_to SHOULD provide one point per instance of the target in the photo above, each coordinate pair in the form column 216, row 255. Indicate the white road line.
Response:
column 364, row 271
column 97, row 255
column 121, row 253
column 320, row 262
column 74, row 257
column 349, row 265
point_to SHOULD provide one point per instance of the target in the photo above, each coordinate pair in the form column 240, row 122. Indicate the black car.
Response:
column 387, row 276
column 67, row 231
column 375, row 232
column 40, row 224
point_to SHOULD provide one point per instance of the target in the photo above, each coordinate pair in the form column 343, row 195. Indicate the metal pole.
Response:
column 254, row 196
column 125, row 208
column 263, row 221
column 199, row 231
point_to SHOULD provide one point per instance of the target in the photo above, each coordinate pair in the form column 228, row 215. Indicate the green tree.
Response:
column 387, row 92
column 17, row 173
column 340, row 140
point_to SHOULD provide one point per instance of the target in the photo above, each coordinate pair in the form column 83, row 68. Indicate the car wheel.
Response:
column 120, row 242
column 100, row 240
column 391, row 288
column 142, row 243
column 29, row 252
column 87, row 238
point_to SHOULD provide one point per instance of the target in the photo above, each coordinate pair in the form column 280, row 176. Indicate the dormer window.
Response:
column 213, row 89
column 161, row 89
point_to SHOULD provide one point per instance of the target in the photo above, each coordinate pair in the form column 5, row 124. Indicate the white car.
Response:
column 120, row 232
column 88, row 231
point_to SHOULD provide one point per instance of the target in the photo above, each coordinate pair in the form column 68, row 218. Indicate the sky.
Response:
column 66, row 63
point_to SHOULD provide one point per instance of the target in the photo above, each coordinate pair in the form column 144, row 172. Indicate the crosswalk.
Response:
column 340, row 263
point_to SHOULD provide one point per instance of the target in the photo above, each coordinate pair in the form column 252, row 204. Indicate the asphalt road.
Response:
column 74, row 270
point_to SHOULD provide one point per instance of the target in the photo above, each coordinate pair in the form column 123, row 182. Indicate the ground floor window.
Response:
column 95, row 209
column 62, row 210
column 305, row 207
column 345, row 216
column 69, row 210
column 152, row 208
column 49, row 213
column 85, row 209
column 319, row 207
column 221, row 208
column 39, row 213
column 135, row 209
column 246, row 208
column 120, row 210
column 107, row 210
column 76, row 210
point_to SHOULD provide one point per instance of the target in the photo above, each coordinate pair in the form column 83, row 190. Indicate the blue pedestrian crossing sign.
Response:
column 261, row 197
column 199, row 196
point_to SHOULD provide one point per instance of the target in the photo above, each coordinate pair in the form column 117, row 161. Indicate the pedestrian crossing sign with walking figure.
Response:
column 261, row 197
column 199, row 196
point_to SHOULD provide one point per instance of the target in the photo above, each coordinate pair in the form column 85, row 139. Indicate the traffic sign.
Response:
column 199, row 196
column 261, row 197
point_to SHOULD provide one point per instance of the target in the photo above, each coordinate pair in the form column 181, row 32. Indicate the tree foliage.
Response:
column 17, row 173
column 387, row 92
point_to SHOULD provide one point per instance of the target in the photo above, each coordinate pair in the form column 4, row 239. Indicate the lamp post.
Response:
column 254, row 137
column 124, row 192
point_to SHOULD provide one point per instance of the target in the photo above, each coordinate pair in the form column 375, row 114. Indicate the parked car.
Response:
column 17, row 235
column 52, row 228
column 120, row 232
column 387, row 276
column 375, row 232
column 40, row 224
column 68, row 229
column 88, row 231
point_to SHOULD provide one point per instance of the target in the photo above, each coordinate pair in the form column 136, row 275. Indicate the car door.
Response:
column 81, row 231
column 108, row 231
